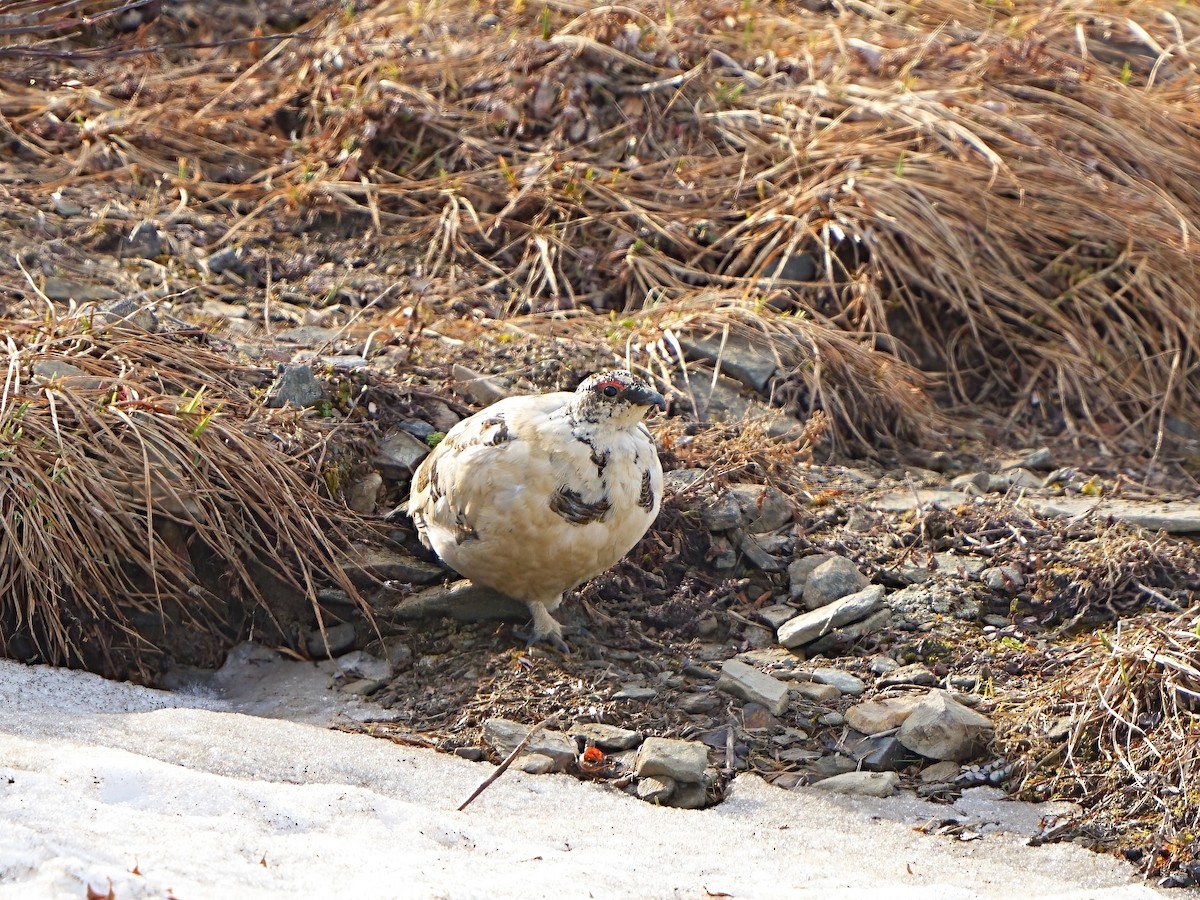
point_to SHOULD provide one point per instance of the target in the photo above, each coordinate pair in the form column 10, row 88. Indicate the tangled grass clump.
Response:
column 1119, row 731
column 150, row 512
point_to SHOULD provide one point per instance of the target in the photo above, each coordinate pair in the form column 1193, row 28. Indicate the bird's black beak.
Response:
column 644, row 395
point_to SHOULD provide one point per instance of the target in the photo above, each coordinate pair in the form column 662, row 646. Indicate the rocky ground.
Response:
column 870, row 628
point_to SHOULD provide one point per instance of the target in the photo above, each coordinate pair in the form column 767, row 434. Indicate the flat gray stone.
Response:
column 683, row 761
column 903, row 501
column 876, row 716
column 942, row 728
column 817, row 693
column 799, row 571
column 753, row 686
column 636, row 693
column 372, row 564
column 63, row 289
column 1175, row 517
column 862, row 784
column 399, row 454
column 462, row 601
column 751, row 362
column 482, row 389
column 811, row 625
column 763, row 508
column 916, row 674
column 846, row 683
column 295, row 386
column 776, row 615
column 689, row 795
column 655, row 788
column 757, row 555
column 606, row 737
column 833, row 579
column 361, row 664
column 503, row 735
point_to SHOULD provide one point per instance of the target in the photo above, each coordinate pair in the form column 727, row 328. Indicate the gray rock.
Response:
column 699, row 704
column 370, row 565
column 840, row 640
column 64, row 289
column 364, row 687
column 399, row 454
column 793, row 267
column 482, row 390
column 418, row 428
column 462, row 601
column 471, row 754
column 881, row 665
column 503, row 735
column 225, row 259
column 690, row 795
column 51, row 371
column 861, row 520
column 757, row 555
column 816, row 693
column 308, row 335
column 720, row 512
column 65, row 208
column 974, row 483
column 752, row 362
column 799, row 571
column 1175, row 517
column 763, row 508
column 536, row 764
column 1021, row 478
column 655, row 789
column 753, row 686
column 295, row 386
column 942, row 728
column 1003, row 578
column 862, row 784
column 636, row 693
column 777, row 614
column 361, row 494
column 345, row 362
column 877, row 716
column 1041, row 459
column 336, row 640
column 903, row 501
column 606, row 737
column 846, row 683
column 878, row 753
column 811, row 625
column 361, row 664
column 144, row 242
column 127, row 312
column 831, row 580
column 683, row 761
column 916, row 673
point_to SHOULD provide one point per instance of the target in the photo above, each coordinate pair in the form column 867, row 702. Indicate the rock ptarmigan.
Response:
column 535, row 495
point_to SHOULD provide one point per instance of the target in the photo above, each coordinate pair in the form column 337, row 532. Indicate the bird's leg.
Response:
column 546, row 627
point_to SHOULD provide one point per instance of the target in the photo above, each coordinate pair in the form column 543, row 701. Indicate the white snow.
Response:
column 182, row 795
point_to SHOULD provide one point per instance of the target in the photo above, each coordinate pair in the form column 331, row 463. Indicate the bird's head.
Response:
column 617, row 395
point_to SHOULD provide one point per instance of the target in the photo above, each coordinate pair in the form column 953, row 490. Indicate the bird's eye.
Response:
column 611, row 390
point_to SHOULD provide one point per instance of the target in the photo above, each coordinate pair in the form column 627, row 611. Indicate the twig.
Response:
column 508, row 761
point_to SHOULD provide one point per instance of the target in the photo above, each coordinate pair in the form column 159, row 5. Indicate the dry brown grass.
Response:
column 148, row 508
column 1124, row 737
column 1004, row 195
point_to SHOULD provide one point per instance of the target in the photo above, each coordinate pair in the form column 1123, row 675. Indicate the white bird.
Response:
column 535, row 495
